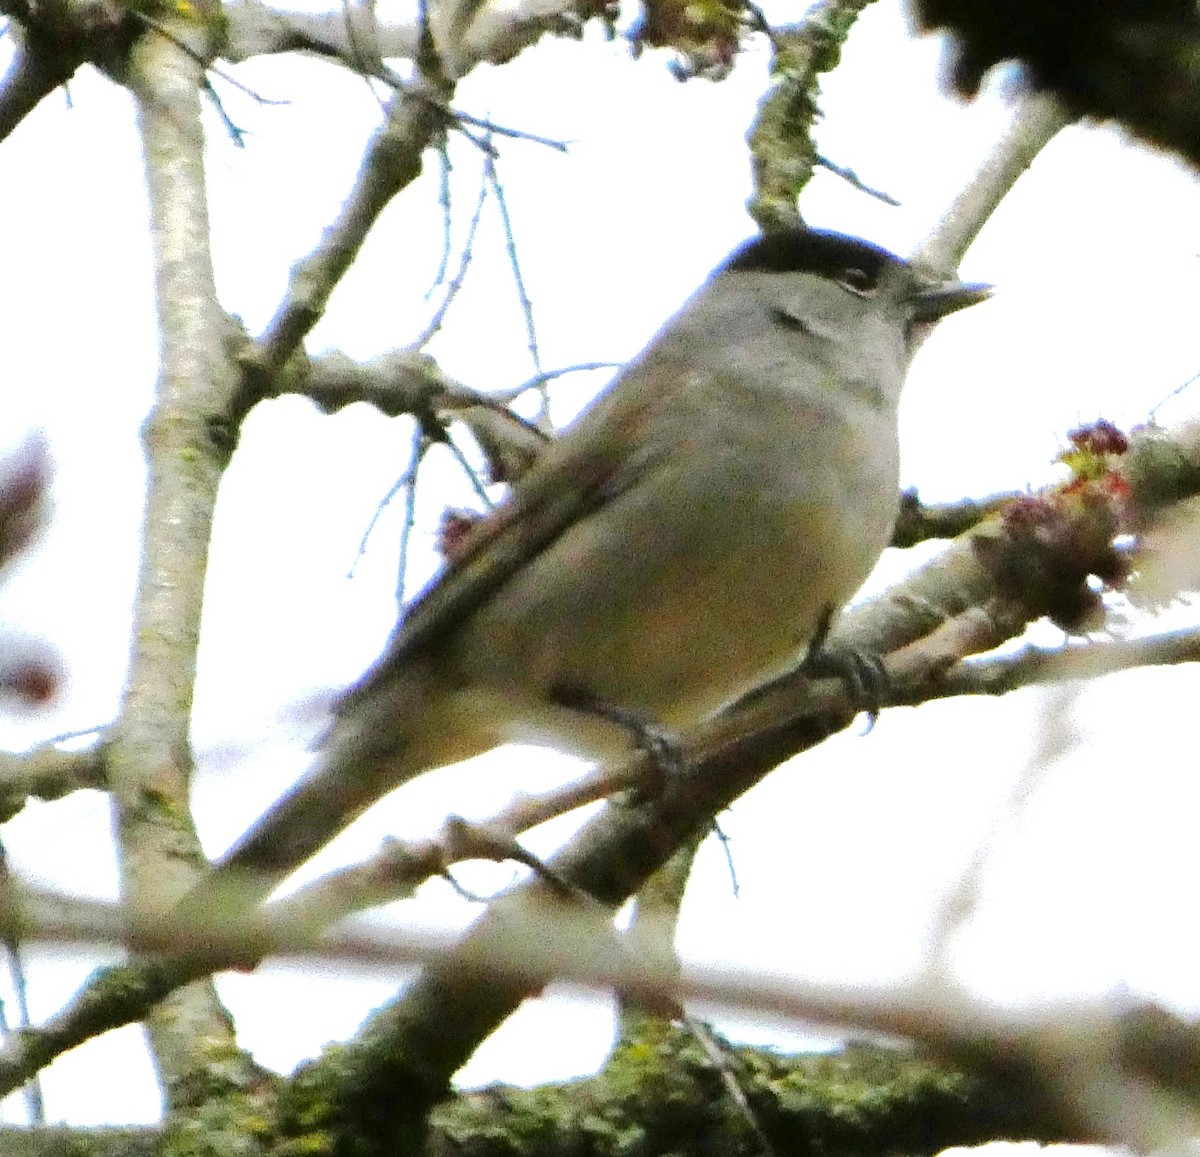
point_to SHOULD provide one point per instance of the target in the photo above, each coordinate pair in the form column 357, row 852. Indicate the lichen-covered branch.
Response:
column 659, row 1091
column 782, row 154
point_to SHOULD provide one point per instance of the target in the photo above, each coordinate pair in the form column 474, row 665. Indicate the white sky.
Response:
column 840, row 855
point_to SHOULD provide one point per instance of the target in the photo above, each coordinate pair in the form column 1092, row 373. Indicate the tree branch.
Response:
column 924, row 626
column 48, row 773
column 393, row 161
column 782, row 154
column 148, row 753
column 1036, row 121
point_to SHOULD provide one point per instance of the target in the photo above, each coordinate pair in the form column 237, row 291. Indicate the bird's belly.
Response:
column 674, row 619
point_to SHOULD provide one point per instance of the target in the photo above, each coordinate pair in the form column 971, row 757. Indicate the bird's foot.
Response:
column 862, row 672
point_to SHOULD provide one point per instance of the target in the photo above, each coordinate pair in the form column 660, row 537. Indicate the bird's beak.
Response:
column 933, row 302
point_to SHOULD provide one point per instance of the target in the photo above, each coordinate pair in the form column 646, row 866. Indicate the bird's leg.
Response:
column 661, row 746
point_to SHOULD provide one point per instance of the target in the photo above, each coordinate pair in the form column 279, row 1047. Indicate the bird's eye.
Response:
column 857, row 281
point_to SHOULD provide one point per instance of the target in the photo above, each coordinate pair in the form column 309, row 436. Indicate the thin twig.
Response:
column 1173, row 394
column 727, row 849
column 456, row 282
column 497, row 130
column 407, row 479
column 420, row 444
column 470, row 471
column 458, row 118
column 545, row 376
column 444, row 169
column 65, row 736
column 510, row 243
column 723, row 1061
column 236, row 133
column 855, row 181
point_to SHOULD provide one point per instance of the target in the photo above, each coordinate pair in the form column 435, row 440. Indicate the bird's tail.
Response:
column 378, row 741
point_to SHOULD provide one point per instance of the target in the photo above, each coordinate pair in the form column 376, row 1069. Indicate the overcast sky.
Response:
column 840, row 855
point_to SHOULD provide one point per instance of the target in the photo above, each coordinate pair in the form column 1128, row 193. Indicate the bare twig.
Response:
column 469, row 470
column 540, row 379
column 855, row 181
column 407, row 483
column 419, row 445
column 1173, row 394
column 444, row 170
column 510, row 243
column 456, row 282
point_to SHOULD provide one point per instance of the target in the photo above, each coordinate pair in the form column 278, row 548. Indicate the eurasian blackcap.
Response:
column 676, row 548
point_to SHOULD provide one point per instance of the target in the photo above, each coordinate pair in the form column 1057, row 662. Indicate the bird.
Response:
column 680, row 545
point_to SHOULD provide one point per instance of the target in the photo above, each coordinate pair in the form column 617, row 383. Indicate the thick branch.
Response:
column 491, row 33
column 408, row 382
column 149, row 756
column 350, row 34
column 1037, row 120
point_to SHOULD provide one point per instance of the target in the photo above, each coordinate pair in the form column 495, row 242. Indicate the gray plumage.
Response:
column 674, row 549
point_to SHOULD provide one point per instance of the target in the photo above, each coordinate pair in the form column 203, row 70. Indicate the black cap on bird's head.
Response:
column 855, row 264
column 801, row 250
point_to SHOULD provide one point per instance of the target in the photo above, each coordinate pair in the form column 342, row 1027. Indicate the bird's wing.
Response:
column 598, row 457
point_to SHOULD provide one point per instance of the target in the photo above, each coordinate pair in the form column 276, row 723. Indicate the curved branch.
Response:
column 924, row 626
column 1036, row 122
